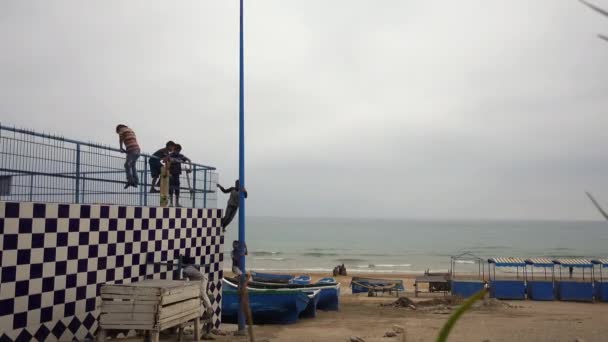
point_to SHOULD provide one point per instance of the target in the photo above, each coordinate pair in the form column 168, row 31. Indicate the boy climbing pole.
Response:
column 233, row 202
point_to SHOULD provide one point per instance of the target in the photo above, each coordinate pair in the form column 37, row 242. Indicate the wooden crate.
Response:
column 152, row 305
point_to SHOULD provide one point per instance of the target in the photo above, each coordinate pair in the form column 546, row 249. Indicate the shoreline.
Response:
column 370, row 318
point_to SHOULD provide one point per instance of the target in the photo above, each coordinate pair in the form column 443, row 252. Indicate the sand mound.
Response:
column 447, row 300
column 447, row 303
column 404, row 302
column 492, row 303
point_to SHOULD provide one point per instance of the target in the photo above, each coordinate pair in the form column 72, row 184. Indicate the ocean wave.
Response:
column 488, row 247
column 445, row 255
column 350, row 260
column 294, row 270
column 264, row 253
column 271, row 259
column 393, row 265
column 318, row 254
column 317, row 249
column 390, row 271
column 383, row 265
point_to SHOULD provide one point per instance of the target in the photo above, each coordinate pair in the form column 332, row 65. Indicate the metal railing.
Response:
column 42, row 167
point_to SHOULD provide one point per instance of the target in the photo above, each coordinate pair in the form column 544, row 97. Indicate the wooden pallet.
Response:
column 150, row 305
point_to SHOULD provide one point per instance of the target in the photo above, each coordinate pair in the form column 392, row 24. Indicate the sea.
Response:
column 407, row 246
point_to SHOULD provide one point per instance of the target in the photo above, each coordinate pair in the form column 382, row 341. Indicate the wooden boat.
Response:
column 371, row 285
column 311, row 308
column 329, row 298
column 272, row 306
column 300, row 280
column 280, row 278
column 271, row 277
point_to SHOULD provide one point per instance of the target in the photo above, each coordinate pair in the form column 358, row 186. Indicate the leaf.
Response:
column 466, row 305
column 595, row 8
column 597, row 205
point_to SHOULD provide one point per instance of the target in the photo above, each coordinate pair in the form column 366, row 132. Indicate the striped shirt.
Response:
column 127, row 136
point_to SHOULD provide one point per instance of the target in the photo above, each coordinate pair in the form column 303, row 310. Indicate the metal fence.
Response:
column 43, row 167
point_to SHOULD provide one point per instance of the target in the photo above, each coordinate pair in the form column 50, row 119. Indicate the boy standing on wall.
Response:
column 155, row 164
column 175, row 170
column 131, row 148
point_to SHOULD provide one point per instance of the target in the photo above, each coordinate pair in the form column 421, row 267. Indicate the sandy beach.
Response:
column 491, row 320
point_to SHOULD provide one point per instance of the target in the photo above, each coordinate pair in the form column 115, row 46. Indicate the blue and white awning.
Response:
column 602, row 261
column 507, row 262
column 540, row 262
column 573, row 262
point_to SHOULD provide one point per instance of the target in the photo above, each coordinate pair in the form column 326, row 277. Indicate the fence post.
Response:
column 83, row 190
column 31, row 188
column 77, row 195
column 145, row 177
column 193, row 186
column 205, row 189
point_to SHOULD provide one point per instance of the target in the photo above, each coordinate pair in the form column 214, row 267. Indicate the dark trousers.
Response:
column 130, row 169
column 174, row 185
column 229, row 215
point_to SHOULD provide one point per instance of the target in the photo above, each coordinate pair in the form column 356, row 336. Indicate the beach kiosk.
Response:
column 507, row 288
column 468, row 285
column 571, row 287
column 601, row 286
column 541, row 286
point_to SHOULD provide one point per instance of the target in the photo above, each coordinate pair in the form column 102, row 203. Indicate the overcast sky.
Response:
column 416, row 109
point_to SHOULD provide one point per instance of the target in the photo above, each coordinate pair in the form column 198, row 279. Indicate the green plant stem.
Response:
column 466, row 305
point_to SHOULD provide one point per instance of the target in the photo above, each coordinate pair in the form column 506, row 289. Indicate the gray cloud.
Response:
column 467, row 109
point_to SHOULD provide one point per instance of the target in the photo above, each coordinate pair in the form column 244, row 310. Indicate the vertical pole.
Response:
column 82, row 191
column 205, row 188
column 141, row 189
column 77, row 190
column 31, row 187
column 193, row 186
column 241, row 317
column 145, row 177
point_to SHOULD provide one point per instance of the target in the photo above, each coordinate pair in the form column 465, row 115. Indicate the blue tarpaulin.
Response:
column 507, row 262
column 540, row 262
column 574, row 262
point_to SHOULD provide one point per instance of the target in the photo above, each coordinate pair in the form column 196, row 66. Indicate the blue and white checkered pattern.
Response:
column 55, row 257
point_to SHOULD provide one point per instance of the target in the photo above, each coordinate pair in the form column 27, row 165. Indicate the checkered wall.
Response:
column 55, row 257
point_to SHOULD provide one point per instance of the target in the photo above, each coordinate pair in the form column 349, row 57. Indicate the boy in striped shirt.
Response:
column 131, row 148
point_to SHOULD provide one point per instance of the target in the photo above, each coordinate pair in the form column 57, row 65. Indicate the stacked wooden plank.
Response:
column 151, row 305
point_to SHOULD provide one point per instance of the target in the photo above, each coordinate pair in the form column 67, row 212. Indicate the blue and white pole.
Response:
column 241, row 169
